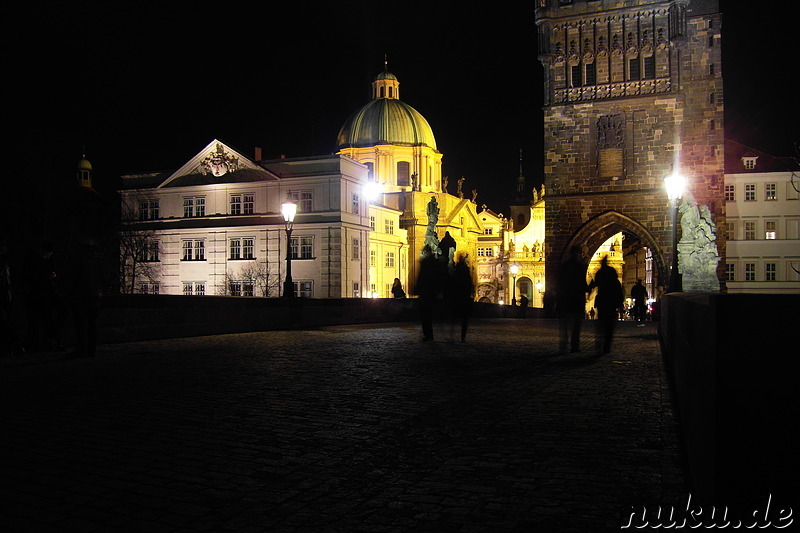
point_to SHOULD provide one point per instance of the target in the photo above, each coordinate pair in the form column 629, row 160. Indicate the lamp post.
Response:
column 674, row 185
column 514, row 271
column 288, row 209
column 539, row 287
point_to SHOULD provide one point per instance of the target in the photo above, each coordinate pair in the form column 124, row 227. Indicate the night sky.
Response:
column 144, row 86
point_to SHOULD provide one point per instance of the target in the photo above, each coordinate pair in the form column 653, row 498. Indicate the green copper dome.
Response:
column 386, row 120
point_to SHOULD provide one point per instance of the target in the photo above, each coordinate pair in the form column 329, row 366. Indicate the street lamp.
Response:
column 514, row 272
column 539, row 287
column 674, row 185
column 288, row 209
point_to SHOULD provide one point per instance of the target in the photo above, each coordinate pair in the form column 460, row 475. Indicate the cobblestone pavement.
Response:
column 347, row 428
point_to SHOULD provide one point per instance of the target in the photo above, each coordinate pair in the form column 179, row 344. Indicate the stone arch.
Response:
column 595, row 231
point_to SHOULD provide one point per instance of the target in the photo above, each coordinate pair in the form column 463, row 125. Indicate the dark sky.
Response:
column 144, row 86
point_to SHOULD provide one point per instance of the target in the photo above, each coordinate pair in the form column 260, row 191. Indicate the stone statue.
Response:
column 474, row 196
column 458, row 190
column 444, row 184
column 431, row 240
column 697, row 249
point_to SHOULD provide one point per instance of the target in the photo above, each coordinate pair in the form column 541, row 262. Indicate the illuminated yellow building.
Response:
column 397, row 145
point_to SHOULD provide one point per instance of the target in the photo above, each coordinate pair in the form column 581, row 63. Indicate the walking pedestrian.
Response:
column 609, row 301
column 427, row 288
column 461, row 295
column 639, row 296
column 571, row 301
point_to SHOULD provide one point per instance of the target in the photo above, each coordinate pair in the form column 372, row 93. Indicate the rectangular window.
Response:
column 770, row 271
column 302, row 247
column 485, row 251
column 235, row 288
column 730, row 195
column 248, row 249
column 194, row 206
column 188, row 288
column 372, row 223
column 236, row 249
column 389, row 262
column 730, row 272
column 372, row 259
column 148, row 210
column 770, row 191
column 388, row 226
column 356, row 291
column 247, row 288
column 236, row 204
column 770, row 229
column 649, row 67
column 200, row 289
column 731, row 231
column 749, row 231
column 487, row 231
column 248, row 204
column 151, row 251
column 356, row 204
column 575, row 71
column 356, row 249
column 591, row 73
column 749, row 271
column 194, row 250
column 303, row 199
column 634, row 74
column 197, row 288
column 303, row 289
column 750, row 192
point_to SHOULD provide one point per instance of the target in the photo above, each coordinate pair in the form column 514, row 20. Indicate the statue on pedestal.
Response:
column 697, row 249
column 431, row 240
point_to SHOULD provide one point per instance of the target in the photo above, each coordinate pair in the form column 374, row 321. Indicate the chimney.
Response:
column 258, row 153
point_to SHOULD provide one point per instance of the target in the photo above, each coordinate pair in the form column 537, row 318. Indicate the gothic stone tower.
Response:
column 632, row 93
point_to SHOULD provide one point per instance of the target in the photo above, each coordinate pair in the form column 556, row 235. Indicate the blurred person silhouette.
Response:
column 608, row 301
column 571, row 292
column 523, row 303
column 427, row 287
column 46, row 308
column 448, row 247
column 461, row 294
column 639, row 296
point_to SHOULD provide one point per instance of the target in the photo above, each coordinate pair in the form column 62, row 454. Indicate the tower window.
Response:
column 591, row 74
column 649, row 67
column 634, row 72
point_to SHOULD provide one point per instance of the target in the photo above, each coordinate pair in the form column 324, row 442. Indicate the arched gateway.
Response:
column 596, row 231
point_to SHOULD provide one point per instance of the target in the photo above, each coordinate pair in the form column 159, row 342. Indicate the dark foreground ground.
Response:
column 347, row 428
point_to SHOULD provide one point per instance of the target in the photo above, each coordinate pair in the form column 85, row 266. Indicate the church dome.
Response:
column 386, row 120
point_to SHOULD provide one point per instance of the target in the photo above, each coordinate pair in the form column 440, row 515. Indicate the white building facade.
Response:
column 762, row 198
column 214, row 227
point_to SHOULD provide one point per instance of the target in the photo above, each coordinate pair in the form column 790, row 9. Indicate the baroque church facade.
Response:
column 214, row 226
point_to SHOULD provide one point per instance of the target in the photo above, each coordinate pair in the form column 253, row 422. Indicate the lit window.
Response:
column 198, row 288
column 770, row 191
column 770, row 229
column 388, row 226
column 355, row 289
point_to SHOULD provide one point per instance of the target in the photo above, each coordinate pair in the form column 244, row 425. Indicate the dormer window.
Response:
column 749, row 162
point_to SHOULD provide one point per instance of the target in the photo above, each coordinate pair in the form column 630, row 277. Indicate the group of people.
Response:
column 572, row 290
column 442, row 278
